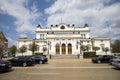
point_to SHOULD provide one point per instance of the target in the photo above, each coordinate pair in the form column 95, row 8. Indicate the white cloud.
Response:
column 23, row 35
column 18, row 9
column 94, row 12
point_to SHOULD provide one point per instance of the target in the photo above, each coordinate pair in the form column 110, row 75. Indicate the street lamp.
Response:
column 49, row 43
column 80, row 43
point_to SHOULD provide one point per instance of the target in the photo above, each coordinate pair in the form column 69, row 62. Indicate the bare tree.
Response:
column 13, row 49
column 22, row 49
column 1, row 51
column 83, row 47
column 33, row 47
column 95, row 48
column 106, row 49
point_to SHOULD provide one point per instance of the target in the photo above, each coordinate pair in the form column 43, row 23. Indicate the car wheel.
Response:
column 24, row 64
column 98, row 61
column 40, row 62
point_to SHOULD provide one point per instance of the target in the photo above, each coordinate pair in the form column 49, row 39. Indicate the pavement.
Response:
column 64, row 69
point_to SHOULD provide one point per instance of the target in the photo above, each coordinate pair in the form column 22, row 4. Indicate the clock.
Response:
column 62, row 27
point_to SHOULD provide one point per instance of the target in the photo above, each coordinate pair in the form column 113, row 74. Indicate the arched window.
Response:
column 63, row 48
column 69, row 48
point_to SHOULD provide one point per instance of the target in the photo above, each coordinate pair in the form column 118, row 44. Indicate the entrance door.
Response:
column 69, row 49
column 63, row 49
column 57, row 49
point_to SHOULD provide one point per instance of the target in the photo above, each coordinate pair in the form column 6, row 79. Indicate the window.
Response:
column 81, row 35
column 101, row 40
column 52, row 32
column 42, row 36
column 84, row 35
column 102, row 47
column 69, row 39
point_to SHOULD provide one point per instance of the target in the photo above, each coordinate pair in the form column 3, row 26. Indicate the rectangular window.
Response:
column 84, row 35
column 81, row 35
column 41, row 36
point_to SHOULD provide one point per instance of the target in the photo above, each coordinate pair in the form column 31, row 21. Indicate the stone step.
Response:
column 64, row 56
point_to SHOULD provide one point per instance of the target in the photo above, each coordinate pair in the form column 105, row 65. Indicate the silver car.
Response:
column 116, row 63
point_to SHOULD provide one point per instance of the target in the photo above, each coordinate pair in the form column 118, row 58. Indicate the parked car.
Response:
column 116, row 63
column 5, row 65
column 22, row 61
column 41, row 59
column 102, row 59
column 111, row 60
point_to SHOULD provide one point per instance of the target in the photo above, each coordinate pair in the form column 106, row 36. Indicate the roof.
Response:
column 101, row 38
column 24, row 39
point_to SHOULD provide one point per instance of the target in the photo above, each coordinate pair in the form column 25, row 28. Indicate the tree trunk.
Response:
column 33, row 53
column 106, row 53
column 22, row 54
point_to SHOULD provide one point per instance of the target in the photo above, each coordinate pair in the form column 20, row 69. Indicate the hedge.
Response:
column 40, row 54
column 89, row 54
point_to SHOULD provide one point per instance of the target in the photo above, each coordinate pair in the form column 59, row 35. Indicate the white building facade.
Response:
column 65, row 39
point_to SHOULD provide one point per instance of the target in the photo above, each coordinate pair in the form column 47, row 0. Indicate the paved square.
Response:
column 64, row 69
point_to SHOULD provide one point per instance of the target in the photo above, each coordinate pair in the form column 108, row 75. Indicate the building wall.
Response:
column 102, row 42
column 64, row 34
column 3, row 43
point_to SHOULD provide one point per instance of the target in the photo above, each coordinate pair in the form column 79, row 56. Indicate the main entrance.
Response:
column 57, row 49
column 63, row 49
column 69, row 49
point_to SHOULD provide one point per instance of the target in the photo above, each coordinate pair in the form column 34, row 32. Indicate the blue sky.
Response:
column 20, row 17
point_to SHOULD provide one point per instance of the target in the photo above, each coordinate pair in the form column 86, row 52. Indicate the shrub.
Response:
column 89, row 54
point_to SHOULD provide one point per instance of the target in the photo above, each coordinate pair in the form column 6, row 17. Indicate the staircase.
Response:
column 64, row 57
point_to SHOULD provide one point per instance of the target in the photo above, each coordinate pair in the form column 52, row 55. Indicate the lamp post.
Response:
column 80, row 43
column 49, row 43
column 48, row 46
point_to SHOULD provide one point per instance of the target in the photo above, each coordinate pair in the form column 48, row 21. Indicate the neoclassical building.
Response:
column 64, row 39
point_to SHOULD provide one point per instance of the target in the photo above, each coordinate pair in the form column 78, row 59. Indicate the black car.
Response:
column 41, row 59
column 23, row 61
column 102, row 59
column 5, row 65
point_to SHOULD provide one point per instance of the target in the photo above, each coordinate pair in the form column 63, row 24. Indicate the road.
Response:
column 64, row 69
